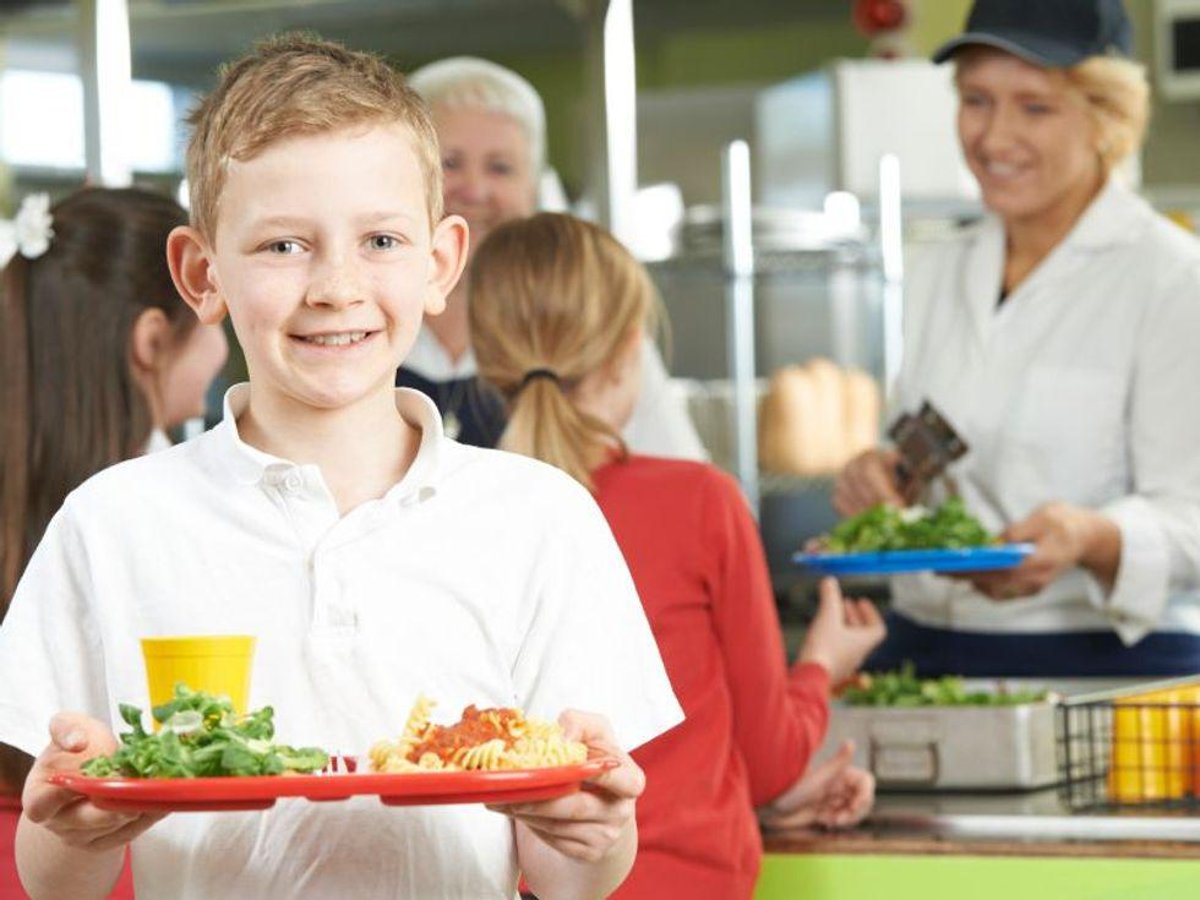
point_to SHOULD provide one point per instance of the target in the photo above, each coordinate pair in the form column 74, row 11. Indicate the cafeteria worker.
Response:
column 491, row 126
column 1059, row 336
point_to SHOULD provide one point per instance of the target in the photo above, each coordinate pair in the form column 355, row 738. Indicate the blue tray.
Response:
column 891, row 562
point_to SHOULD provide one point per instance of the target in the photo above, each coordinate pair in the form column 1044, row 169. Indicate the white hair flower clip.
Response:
column 30, row 232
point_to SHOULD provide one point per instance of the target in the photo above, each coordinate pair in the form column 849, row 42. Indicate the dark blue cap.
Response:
column 1046, row 32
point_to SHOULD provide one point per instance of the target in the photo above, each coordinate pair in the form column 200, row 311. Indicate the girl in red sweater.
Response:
column 558, row 312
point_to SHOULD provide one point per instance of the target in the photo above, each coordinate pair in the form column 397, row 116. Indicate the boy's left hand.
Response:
column 588, row 824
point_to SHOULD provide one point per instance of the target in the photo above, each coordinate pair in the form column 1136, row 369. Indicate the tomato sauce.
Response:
column 478, row 726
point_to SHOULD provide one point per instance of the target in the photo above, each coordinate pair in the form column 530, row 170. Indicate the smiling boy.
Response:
column 327, row 514
column 325, row 258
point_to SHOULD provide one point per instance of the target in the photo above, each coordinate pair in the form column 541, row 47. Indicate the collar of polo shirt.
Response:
column 251, row 466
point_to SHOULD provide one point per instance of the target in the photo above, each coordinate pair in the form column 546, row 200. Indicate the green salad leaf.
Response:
column 200, row 735
column 884, row 527
column 905, row 689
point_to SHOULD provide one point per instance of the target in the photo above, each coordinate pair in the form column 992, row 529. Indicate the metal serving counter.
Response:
column 988, row 847
column 976, row 845
column 1039, row 815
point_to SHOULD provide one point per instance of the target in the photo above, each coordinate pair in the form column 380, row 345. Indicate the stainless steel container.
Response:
column 951, row 747
column 996, row 748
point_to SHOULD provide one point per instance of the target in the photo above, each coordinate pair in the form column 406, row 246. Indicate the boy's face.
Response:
column 326, row 261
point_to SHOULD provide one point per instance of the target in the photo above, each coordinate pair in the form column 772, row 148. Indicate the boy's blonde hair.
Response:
column 557, row 294
column 293, row 85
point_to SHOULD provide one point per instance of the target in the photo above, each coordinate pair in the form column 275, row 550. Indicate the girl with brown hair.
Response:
column 559, row 311
column 99, row 357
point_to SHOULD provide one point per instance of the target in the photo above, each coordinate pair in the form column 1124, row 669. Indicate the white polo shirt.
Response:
column 1080, row 387
column 481, row 577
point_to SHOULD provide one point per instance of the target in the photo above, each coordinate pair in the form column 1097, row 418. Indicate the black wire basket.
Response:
column 1133, row 747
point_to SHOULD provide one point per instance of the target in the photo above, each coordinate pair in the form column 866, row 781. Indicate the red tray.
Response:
column 394, row 789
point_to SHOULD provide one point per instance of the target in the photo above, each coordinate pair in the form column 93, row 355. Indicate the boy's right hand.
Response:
column 842, row 633
column 75, row 738
column 867, row 480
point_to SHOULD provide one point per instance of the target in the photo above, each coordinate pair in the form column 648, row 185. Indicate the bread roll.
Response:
column 863, row 409
column 787, row 424
column 770, row 420
column 828, row 425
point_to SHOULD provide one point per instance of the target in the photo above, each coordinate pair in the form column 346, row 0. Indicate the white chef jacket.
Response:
column 660, row 424
column 481, row 577
column 1081, row 387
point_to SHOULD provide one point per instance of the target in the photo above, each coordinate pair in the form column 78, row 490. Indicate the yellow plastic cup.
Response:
column 216, row 664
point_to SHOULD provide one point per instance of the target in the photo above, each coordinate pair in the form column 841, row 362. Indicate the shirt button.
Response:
column 293, row 482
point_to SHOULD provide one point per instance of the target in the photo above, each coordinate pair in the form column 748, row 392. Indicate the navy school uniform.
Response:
column 472, row 412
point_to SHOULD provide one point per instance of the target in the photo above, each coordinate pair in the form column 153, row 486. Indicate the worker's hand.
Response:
column 867, row 480
column 1064, row 536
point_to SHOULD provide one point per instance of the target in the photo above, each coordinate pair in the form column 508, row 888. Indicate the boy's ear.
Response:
column 449, row 245
column 190, row 260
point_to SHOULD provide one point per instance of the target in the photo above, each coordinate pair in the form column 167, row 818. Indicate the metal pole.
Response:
column 739, row 312
column 620, row 115
column 891, row 245
column 613, row 92
column 106, row 72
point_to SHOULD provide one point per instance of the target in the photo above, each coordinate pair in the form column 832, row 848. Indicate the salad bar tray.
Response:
column 949, row 733
column 952, row 747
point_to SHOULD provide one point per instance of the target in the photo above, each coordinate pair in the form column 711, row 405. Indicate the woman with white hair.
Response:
column 1058, row 336
column 492, row 129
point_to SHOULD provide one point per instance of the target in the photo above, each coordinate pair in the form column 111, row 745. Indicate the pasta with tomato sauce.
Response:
column 483, row 739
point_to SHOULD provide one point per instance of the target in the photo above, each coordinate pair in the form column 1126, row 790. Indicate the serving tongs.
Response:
column 927, row 444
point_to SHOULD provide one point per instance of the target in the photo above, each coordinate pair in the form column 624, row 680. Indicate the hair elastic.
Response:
column 534, row 374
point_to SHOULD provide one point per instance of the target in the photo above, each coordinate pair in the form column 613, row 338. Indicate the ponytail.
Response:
column 554, row 300
column 545, row 424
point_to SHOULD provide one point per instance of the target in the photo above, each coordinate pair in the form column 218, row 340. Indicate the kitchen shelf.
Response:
column 783, row 483
column 849, row 256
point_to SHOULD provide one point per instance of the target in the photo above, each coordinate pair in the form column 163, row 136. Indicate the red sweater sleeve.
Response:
column 779, row 718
